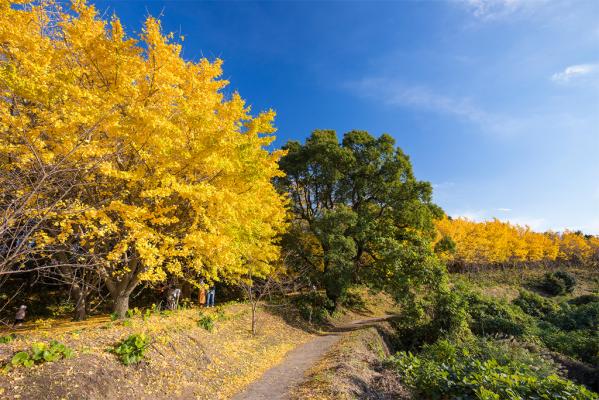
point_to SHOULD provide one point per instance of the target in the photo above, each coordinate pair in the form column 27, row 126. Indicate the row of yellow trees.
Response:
column 496, row 242
column 120, row 159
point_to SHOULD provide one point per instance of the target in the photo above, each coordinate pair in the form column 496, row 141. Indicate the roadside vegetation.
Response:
column 501, row 346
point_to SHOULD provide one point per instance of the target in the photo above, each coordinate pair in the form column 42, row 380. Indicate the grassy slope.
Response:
column 352, row 369
column 184, row 360
column 507, row 283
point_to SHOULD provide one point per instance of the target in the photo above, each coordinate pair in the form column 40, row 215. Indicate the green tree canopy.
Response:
column 359, row 214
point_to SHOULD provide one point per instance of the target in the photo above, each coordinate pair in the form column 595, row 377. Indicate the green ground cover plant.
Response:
column 497, row 355
column 482, row 370
column 40, row 353
column 132, row 349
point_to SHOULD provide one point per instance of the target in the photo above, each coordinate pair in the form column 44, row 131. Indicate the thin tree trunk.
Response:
column 81, row 303
column 253, row 318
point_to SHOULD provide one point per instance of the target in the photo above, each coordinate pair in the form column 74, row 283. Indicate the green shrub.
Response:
column 443, row 316
column 534, row 304
column 132, row 350
column 445, row 370
column 568, row 279
column 352, row 300
column 221, row 314
column 40, row 353
column 490, row 316
column 313, row 306
column 558, row 283
column 581, row 344
column 584, row 299
column 571, row 318
column 63, row 308
column 207, row 322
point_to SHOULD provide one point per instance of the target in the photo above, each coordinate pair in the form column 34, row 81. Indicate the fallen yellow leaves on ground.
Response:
column 183, row 361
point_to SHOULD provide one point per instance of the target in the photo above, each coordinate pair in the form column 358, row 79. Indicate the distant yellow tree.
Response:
column 178, row 180
column 495, row 242
column 574, row 246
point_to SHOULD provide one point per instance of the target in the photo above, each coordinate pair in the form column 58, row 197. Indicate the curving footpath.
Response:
column 276, row 383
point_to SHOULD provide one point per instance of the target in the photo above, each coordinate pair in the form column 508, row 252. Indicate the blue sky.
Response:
column 496, row 101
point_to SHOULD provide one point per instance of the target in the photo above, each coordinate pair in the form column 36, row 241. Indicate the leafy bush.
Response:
column 132, row 350
column 63, row 308
column 571, row 318
column 584, row 299
column 133, row 312
column 446, row 370
column 313, row 306
column 491, row 316
column 221, row 314
column 568, row 279
column 206, row 321
column 40, row 353
column 557, row 283
column 424, row 323
column 352, row 300
column 580, row 344
column 534, row 304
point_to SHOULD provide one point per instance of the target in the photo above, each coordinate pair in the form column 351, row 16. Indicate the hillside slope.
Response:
column 184, row 360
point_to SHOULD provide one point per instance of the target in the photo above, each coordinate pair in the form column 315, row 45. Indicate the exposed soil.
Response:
column 277, row 383
column 184, row 360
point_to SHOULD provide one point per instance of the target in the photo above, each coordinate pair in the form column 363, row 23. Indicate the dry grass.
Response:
column 369, row 305
column 184, row 361
column 507, row 283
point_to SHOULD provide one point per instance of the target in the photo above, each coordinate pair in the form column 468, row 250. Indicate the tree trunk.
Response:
column 121, row 305
column 81, row 303
column 254, row 318
column 121, row 290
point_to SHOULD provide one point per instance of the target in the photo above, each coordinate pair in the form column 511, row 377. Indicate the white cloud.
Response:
column 395, row 93
column 504, row 209
column 496, row 9
column 536, row 224
column 575, row 71
column 472, row 215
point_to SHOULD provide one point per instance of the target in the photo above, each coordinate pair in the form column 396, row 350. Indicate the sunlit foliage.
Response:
column 497, row 242
column 175, row 178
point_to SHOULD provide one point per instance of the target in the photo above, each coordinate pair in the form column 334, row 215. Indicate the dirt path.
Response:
column 277, row 381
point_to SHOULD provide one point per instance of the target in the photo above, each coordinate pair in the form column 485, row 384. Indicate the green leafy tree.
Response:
column 359, row 214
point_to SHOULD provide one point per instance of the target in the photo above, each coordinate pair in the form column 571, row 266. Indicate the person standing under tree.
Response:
column 211, row 293
column 20, row 316
column 202, row 294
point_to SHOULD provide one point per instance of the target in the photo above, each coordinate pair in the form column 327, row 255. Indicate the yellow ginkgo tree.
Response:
column 488, row 243
column 174, row 178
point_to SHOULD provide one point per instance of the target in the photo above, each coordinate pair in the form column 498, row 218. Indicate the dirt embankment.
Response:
column 353, row 369
column 184, row 361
